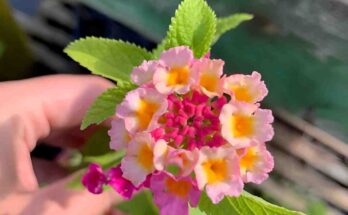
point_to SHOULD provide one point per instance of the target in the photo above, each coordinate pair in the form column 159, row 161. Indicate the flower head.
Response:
column 187, row 129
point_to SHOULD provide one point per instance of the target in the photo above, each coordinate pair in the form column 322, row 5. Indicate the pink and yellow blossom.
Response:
column 245, row 88
column 176, row 76
column 242, row 123
column 207, row 73
column 138, row 162
column 255, row 163
column 141, row 109
column 218, row 172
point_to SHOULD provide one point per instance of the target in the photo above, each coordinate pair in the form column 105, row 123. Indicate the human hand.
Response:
column 48, row 108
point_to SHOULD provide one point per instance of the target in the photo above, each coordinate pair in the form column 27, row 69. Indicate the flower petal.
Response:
column 141, row 109
column 172, row 195
column 242, row 123
column 218, row 171
column 207, row 73
column 143, row 74
column 246, row 88
column 138, row 162
column 256, row 163
column 119, row 136
column 177, row 75
column 94, row 179
column 121, row 185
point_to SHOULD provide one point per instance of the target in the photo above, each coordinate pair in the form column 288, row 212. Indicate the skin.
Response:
column 49, row 109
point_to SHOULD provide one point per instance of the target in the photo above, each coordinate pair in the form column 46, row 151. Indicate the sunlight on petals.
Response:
column 138, row 162
column 242, row 123
column 207, row 73
column 245, row 88
column 141, row 109
column 218, row 171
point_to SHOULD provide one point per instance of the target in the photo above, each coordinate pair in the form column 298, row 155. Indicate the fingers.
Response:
column 31, row 110
column 48, row 172
column 58, row 199
column 50, row 103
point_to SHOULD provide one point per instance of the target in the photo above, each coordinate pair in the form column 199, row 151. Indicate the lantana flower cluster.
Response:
column 186, row 129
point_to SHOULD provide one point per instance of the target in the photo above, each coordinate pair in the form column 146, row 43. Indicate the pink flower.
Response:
column 187, row 129
column 121, row 185
column 218, row 171
column 207, row 73
column 176, row 76
column 166, row 156
column 255, row 163
column 141, row 109
column 138, row 162
column 172, row 196
column 246, row 88
column 94, row 179
column 242, row 123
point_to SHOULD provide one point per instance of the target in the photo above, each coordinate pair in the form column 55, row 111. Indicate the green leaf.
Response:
column 104, row 106
column 141, row 204
column 194, row 26
column 114, row 59
column 244, row 204
column 106, row 161
column 97, row 143
column 228, row 23
column 196, row 211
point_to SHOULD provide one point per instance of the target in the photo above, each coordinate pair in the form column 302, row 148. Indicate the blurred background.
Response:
column 299, row 46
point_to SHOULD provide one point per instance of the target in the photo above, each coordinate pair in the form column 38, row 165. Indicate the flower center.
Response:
column 215, row 170
column 247, row 162
column 242, row 126
column 179, row 188
column 145, row 113
column 192, row 121
column 242, row 93
column 145, row 157
column 209, row 82
column 178, row 76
